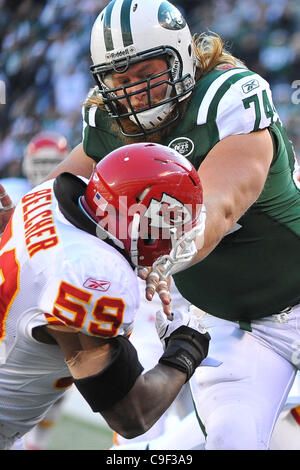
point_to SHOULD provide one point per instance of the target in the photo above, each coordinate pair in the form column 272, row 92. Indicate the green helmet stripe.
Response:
column 107, row 27
column 125, row 23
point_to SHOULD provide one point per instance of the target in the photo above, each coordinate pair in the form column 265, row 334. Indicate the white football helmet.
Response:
column 42, row 154
column 127, row 32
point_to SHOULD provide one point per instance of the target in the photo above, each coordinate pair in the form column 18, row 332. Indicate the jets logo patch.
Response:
column 96, row 284
column 182, row 145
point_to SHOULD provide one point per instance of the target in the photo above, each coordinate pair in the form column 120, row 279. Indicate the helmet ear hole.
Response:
column 142, row 195
column 150, row 241
column 193, row 181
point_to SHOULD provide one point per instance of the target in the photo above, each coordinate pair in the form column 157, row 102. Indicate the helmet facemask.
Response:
column 183, row 250
column 168, row 250
column 155, row 115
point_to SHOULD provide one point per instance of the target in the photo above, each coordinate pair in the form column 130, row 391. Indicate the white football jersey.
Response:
column 52, row 272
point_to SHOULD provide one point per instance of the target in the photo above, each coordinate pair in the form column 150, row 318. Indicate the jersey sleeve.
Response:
column 238, row 102
column 90, row 300
column 91, row 137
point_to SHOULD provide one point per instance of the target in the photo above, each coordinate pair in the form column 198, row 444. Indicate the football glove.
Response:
column 185, row 341
column 166, row 325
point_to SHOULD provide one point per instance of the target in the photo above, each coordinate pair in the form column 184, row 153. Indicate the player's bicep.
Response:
column 235, row 171
column 85, row 355
column 233, row 176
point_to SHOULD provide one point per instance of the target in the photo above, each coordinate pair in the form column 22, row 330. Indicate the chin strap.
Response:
column 152, row 117
column 183, row 250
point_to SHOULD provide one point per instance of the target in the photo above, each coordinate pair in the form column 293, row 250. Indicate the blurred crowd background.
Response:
column 45, row 60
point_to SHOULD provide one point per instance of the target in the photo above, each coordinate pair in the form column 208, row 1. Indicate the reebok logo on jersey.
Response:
column 249, row 86
column 96, row 284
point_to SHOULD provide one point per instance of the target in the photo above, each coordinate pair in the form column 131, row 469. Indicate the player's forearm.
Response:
column 109, row 376
column 145, row 403
column 233, row 175
column 152, row 393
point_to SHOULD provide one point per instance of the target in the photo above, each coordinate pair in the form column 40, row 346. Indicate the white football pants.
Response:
column 239, row 398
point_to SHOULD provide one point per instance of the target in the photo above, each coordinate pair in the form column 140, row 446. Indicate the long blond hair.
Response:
column 211, row 53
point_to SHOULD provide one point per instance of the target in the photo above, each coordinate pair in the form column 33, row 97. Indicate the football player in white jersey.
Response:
column 43, row 153
column 157, row 83
column 74, row 248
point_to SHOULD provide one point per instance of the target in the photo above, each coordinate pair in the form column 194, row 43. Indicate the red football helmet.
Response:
column 42, row 154
column 148, row 199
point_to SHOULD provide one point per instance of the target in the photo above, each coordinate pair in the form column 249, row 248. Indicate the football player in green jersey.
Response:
column 156, row 83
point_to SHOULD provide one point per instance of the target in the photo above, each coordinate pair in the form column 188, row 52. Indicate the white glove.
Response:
column 165, row 326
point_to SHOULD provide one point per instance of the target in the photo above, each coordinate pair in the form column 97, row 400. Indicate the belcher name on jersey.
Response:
column 238, row 279
column 52, row 272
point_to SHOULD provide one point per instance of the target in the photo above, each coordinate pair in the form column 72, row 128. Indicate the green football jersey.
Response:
column 255, row 269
